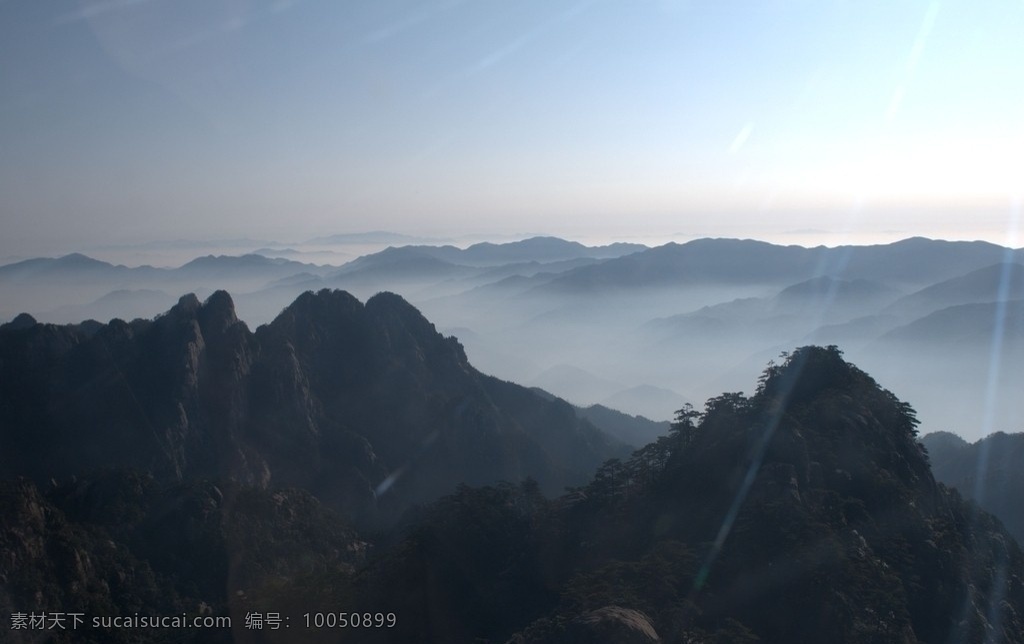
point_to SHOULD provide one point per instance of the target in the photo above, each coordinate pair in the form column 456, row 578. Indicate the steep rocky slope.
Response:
column 366, row 406
column 804, row 513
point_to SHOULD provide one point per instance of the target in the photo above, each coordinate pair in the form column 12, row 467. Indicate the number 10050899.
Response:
column 350, row 620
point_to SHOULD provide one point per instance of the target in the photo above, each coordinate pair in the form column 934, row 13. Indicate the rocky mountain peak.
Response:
column 325, row 309
column 187, row 304
column 333, row 396
column 20, row 322
column 217, row 314
column 838, row 430
column 809, row 372
column 385, row 301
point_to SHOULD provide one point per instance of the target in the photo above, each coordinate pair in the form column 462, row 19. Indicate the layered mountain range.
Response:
column 940, row 320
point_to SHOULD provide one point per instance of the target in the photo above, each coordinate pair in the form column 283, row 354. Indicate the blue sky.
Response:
column 830, row 121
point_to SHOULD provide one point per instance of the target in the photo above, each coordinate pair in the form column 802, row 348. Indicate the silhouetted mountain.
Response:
column 631, row 430
column 366, row 406
column 943, row 448
column 967, row 325
column 711, row 322
column 999, row 282
column 75, row 267
column 573, row 383
column 410, row 263
column 805, row 513
column 79, row 268
column 711, row 262
column 829, row 297
column 659, row 402
column 989, row 472
column 225, row 265
column 20, row 322
column 530, row 270
column 543, row 250
column 703, row 261
column 277, row 252
column 919, row 260
column 72, row 287
column 129, row 303
column 298, row 279
column 793, row 311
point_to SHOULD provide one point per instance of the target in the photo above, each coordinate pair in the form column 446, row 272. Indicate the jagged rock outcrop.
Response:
column 365, row 405
column 165, row 395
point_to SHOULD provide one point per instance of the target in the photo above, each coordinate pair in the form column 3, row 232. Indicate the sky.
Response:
column 824, row 121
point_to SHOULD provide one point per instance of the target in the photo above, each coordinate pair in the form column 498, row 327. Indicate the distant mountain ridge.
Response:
column 721, row 305
column 912, row 261
column 81, row 266
column 723, row 261
column 485, row 254
column 970, row 326
column 631, row 430
column 265, row 275
column 1002, row 281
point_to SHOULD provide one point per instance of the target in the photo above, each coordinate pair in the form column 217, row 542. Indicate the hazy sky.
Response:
column 130, row 120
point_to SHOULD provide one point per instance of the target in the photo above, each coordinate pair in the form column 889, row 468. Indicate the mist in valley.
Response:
column 644, row 330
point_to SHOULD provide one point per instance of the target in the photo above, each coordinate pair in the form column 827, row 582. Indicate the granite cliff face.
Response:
column 163, row 395
column 366, row 406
